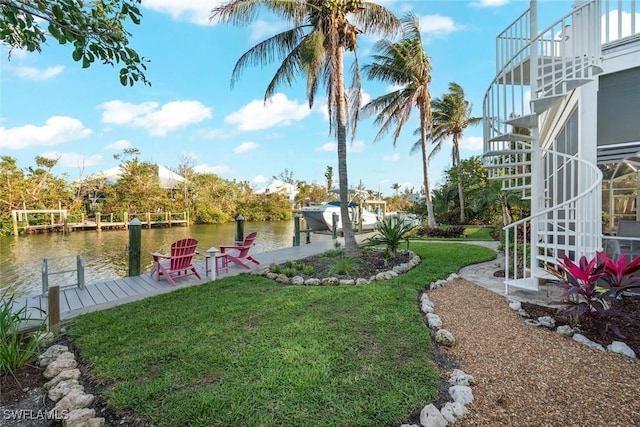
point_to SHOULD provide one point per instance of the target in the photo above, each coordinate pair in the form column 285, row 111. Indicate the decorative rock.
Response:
column 586, row 341
column 362, row 281
column 312, row 282
column 434, row 321
column 426, row 305
column 72, row 401
column 297, row 280
column 461, row 394
column 445, row 337
column 44, row 338
column 453, row 276
column 71, row 374
column 453, row 410
column 532, row 322
column 59, row 365
column 458, row 377
column 547, row 322
column 52, row 354
column 346, row 282
column 431, row 417
column 63, row 388
column 565, row 330
column 515, row 305
column 523, row 313
column 329, row 281
column 281, row 278
column 94, row 422
column 79, row 417
column 621, row 348
column 409, row 425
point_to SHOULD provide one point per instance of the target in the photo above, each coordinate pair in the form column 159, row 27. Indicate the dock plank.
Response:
column 106, row 291
column 96, row 294
column 127, row 285
column 115, row 289
column 73, row 300
column 85, row 297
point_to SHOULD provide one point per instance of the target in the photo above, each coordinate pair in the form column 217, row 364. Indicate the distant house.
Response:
column 167, row 178
column 279, row 187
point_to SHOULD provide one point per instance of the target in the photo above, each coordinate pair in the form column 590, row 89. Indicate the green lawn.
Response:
column 244, row 350
column 478, row 233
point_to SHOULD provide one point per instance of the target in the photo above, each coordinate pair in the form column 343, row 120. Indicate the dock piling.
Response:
column 135, row 246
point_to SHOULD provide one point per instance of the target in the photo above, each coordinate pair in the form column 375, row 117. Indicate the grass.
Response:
column 479, row 233
column 245, row 350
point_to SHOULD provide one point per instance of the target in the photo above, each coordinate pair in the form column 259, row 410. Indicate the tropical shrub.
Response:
column 392, row 231
column 16, row 348
column 592, row 289
column 451, row 232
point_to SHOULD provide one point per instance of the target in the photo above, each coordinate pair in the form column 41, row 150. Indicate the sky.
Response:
column 50, row 106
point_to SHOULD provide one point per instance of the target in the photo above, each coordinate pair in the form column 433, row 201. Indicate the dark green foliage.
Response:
column 451, row 232
column 96, row 30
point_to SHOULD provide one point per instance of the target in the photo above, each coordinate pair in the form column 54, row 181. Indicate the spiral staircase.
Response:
column 536, row 73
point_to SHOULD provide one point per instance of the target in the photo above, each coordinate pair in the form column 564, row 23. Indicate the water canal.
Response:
column 104, row 251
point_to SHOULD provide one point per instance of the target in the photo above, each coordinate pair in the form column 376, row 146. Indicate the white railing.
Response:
column 568, row 225
column 620, row 20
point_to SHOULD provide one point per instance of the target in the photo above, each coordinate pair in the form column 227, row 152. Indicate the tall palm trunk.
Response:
column 456, row 159
column 431, row 220
column 350, row 243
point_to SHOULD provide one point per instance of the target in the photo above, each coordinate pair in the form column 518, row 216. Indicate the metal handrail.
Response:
column 80, row 265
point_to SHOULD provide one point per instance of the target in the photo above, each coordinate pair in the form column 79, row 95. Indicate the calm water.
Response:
column 104, row 252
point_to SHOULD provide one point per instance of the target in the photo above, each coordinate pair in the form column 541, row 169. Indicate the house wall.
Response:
column 618, row 103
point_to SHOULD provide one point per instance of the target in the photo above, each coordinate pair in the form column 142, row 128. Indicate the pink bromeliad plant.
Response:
column 593, row 289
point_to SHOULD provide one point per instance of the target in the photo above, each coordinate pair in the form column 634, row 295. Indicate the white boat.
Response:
column 320, row 218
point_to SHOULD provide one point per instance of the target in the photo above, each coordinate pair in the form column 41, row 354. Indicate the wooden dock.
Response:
column 75, row 301
column 60, row 221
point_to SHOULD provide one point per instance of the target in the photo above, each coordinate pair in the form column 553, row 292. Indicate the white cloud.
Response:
column 217, row 169
column 120, row 144
column 262, row 29
column 245, row 147
column 277, row 111
column 193, row 11
column 157, row 121
column 489, row 3
column 472, row 143
column 328, row 147
column 260, row 179
column 357, row 146
column 32, row 73
column 72, row 159
column 392, row 158
column 190, row 155
column 438, row 26
column 56, row 130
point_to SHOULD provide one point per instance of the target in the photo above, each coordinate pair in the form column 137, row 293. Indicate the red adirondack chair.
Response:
column 179, row 261
column 239, row 254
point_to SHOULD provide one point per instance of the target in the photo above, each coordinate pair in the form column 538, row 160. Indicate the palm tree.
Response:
column 451, row 115
column 321, row 31
column 395, row 187
column 404, row 64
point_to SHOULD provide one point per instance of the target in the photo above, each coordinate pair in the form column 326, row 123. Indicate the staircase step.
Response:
column 529, row 121
column 542, row 104
column 528, row 283
column 512, row 137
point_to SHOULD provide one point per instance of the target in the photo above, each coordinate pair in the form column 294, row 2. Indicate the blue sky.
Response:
column 50, row 106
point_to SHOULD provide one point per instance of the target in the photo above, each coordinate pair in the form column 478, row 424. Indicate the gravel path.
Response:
column 528, row 376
